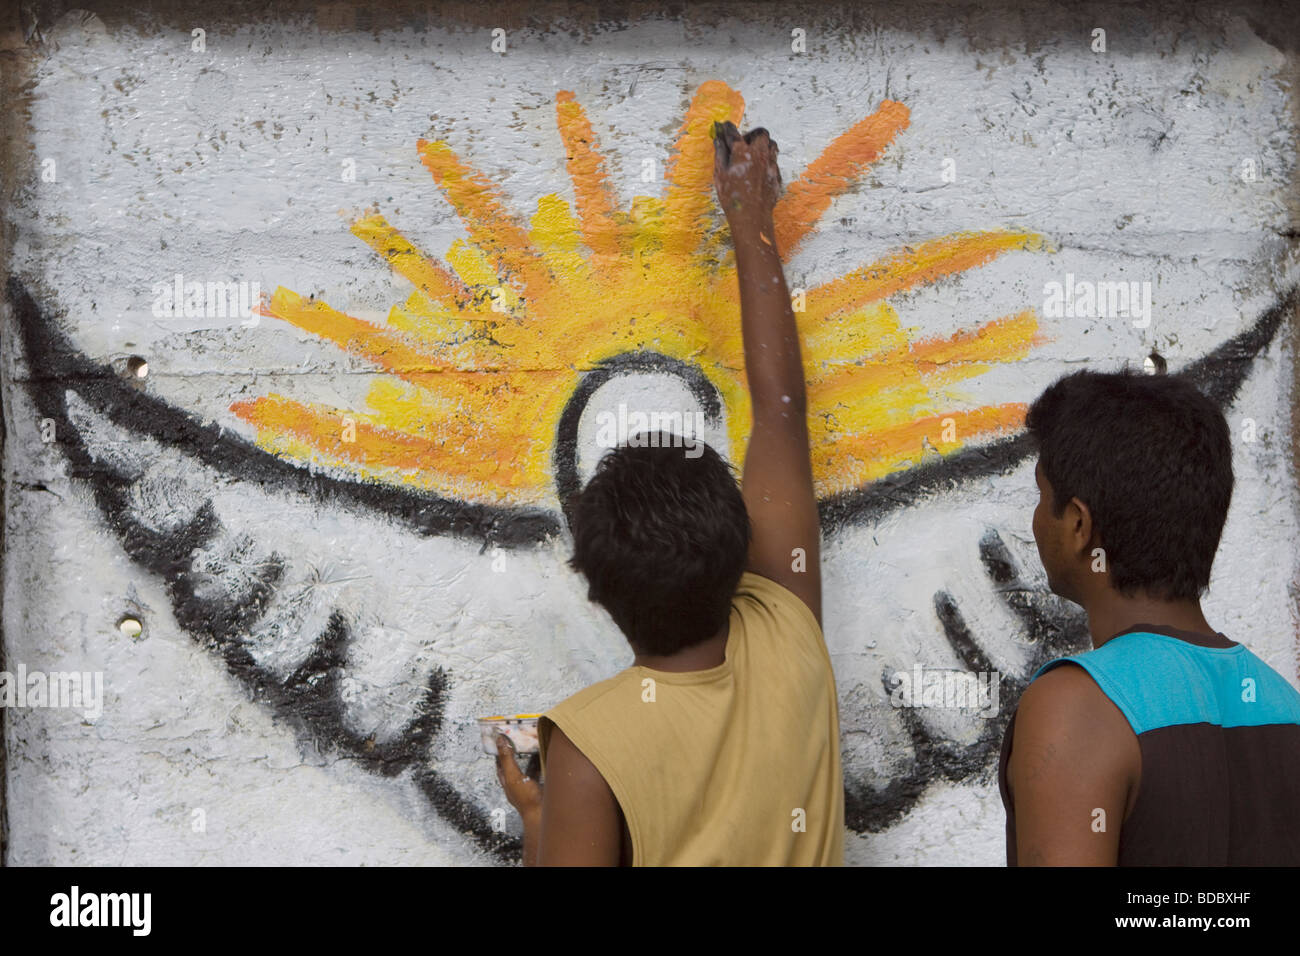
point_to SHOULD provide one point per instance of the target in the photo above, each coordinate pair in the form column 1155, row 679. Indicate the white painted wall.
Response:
column 226, row 164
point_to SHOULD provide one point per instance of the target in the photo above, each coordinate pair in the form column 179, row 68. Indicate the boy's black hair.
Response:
column 662, row 540
column 1151, row 457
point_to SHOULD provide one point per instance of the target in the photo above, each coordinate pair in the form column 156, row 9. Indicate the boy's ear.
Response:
column 1079, row 526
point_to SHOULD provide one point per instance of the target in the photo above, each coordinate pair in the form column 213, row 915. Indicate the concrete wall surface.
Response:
column 313, row 312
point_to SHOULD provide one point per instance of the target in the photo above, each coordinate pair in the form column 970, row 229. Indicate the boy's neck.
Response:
column 1113, row 614
column 698, row 657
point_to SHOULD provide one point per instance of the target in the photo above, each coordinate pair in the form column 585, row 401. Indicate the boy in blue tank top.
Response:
column 1168, row 744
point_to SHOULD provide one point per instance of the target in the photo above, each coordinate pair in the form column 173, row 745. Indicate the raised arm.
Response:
column 777, row 480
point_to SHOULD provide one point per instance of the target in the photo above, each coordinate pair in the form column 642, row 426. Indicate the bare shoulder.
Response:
column 1064, row 691
column 1064, row 712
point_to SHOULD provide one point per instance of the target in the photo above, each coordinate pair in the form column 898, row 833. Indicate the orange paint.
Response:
column 853, row 460
column 601, row 230
column 382, row 346
column 1000, row 341
column 330, row 430
column 689, row 201
column 916, row 265
column 809, row 195
column 481, row 207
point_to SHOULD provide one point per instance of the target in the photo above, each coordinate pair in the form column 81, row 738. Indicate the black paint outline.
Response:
column 565, row 455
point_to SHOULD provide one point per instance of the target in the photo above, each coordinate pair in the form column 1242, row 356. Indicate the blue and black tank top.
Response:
column 1219, row 732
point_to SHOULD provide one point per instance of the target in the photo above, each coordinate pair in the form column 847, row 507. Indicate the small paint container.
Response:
column 521, row 729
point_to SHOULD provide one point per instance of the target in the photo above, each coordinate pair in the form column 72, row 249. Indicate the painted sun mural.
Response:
column 477, row 364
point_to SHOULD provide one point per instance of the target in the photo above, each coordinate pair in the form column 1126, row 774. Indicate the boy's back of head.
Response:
column 1151, row 457
column 662, row 539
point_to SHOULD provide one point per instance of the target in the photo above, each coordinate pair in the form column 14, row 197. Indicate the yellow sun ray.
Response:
column 860, row 457
column 433, row 280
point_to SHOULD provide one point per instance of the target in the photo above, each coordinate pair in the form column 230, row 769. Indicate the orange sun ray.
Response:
column 916, row 265
column 481, row 208
column 808, row 196
column 857, row 399
column 688, row 200
column 601, row 230
column 853, row 460
column 340, row 435
column 386, row 348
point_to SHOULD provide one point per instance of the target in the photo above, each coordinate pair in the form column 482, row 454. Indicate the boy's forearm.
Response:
column 532, row 834
column 773, row 364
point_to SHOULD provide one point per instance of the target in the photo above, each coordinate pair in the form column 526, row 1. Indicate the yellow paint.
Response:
column 476, row 365
column 437, row 284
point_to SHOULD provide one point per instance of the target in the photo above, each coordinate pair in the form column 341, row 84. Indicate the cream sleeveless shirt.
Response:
column 737, row 765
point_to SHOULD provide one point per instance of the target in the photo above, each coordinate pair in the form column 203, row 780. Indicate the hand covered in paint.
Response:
column 523, row 792
column 747, row 179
